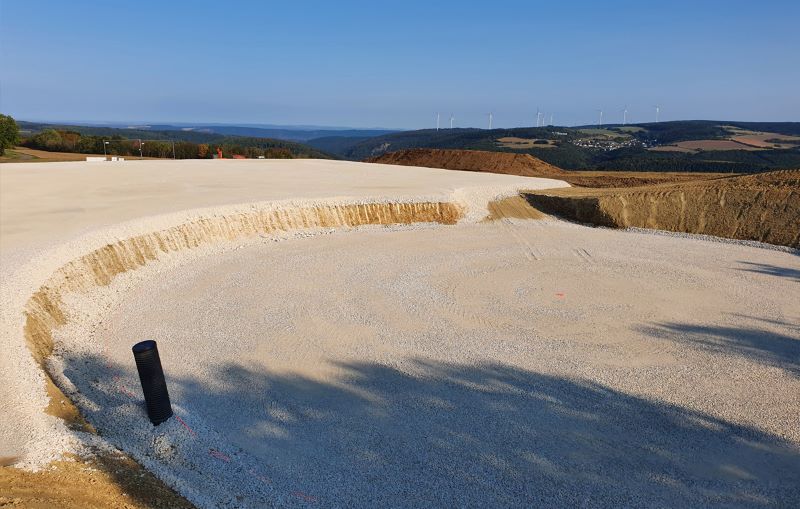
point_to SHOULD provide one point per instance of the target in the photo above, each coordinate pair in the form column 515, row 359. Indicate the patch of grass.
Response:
column 630, row 129
column 14, row 156
column 598, row 132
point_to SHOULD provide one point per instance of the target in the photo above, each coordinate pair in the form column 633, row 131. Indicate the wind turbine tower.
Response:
column 601, row 118
column 538, row 118
column 658, row 111
column 551, row 119
column 490, row 121
column 625, row 115
column 437, row 121
column 451, row 120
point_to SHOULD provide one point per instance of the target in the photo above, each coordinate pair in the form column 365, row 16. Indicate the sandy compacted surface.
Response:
column 512, row 363
column 67, row 229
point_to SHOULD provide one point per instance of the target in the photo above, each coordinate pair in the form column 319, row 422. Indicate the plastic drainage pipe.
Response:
column 154, row 385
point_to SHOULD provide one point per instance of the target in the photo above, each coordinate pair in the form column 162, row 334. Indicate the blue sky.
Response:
column 366, row 64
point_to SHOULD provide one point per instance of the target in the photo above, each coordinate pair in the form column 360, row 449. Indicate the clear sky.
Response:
column 395, row 64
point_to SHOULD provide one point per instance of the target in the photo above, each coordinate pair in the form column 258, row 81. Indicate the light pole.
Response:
column 141, row 144
column 104, row 148
column 173, row 150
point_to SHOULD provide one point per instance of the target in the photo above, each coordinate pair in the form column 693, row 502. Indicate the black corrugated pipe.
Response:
column 154, row 385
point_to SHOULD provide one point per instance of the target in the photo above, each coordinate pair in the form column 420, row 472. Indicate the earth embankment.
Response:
column 763, row 207
column 527, row 165
column 523, row 165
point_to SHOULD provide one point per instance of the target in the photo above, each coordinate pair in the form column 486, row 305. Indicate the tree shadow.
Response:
column 772, row 270
column 435, row 434
column 760, row 345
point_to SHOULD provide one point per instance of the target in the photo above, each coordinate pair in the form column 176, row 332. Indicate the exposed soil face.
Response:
column 603, row 179
column 764, row 207
column 107, row 480
column 512, row 207
column 472, row 160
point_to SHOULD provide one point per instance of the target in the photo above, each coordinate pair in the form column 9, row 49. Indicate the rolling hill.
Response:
column 725, row 147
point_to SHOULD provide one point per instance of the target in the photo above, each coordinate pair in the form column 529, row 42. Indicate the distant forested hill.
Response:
column 701, row 145
column 298, row 134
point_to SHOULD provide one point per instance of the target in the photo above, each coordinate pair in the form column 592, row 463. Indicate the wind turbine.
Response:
column 551, row 119
column 538, row 117
column 490, row 121
column 451, row 120
column 601, row 118
column 437, row 121
column 658, row 110
column 625, row 115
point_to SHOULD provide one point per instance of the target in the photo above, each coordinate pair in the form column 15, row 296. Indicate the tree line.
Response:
column 9, row 133
column 56, row 140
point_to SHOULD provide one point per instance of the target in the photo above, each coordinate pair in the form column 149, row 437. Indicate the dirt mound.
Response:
column 526, row 165
column 763, row 207
column 472, row 160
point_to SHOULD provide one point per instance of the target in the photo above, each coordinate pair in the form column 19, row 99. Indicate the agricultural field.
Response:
column 30, row 155
column 24, row 155
column 700, row 145
column 739, row 139
column 516, row 143
column 768, row 140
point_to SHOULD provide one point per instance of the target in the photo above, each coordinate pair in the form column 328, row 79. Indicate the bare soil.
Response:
column 106, row 480
column 529, row 166
column 103, row 480
column 603, row 179
column 768, row 140
column 763, row 207
column 513, row 207
column 472, row 160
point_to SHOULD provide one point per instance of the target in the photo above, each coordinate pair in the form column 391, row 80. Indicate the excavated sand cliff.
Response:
column 763, row 207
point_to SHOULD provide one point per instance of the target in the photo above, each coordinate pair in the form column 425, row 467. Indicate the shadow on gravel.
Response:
column 760, row 345
column 772, row 270
column 445, row 435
